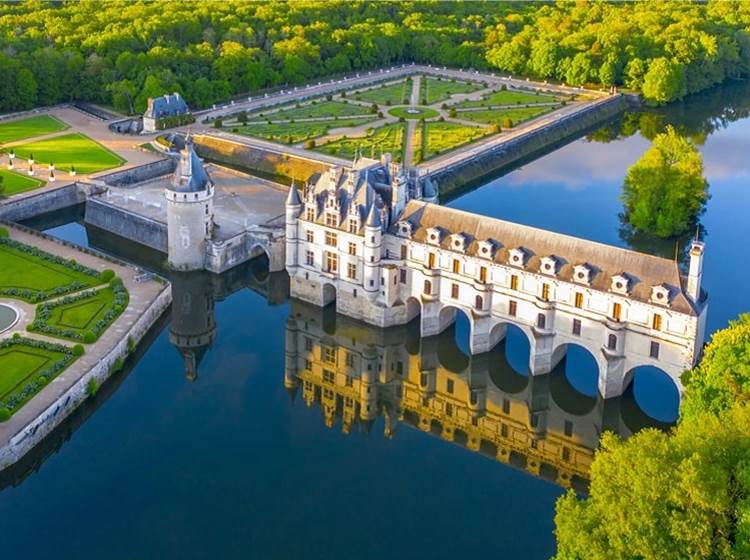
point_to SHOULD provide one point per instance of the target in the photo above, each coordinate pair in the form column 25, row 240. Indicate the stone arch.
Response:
column 656, row 392
column 259, row 249
column 327, row 294
column 447, row 317
column 585, row 381
column 413, row 308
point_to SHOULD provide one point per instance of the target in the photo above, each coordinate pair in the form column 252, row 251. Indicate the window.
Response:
column 331, row 220
column 616, row 311
column 541, row 321
column 579, row 300
column 402, row 275
column 568, row 428
column 504, row 430
column 612, row 342
column 427, row 287
column 403, row 252
column 656, row 323
column 308, row 365
column 454, row 291
column 353, row 226
column 349, row 381
column 310, row 258
column 310, row 214
column 514, row 282
column 576, row 326
column 545, row 292
column 483, row 274
column 308, row 344
column 310, row 236
column 449, row 386
column 448, row 409
column 331, row 238
column 328, row 376
column 456, row 266
column 352, row 248
column 566, row 454
column 351, row 271
column 349, row 359
column 654, row 351
column 478, row 302
column 329, row 354
column 506, row 406
column 431, row 260
column 332, row 262
column 512, row 308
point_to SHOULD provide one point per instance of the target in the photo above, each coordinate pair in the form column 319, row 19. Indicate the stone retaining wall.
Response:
column 255, row 158
column 126, row 224
column 22, row 442
column 26, row 207
column 135, row 175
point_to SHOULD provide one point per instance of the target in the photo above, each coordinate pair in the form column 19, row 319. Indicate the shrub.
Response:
column 507, row 123
column 452, row 113
column 329, row 97
column 78, row 350
column 106, row 275
column 115, row 282
column 4, row 414
column 503, row 87
column 92, row 387
column 131, row 344
column 310, row 144
column 442, row 118
column 89, row 337
column 401, row 119
column 4, row 232
column 387, row 101
column 218, row 123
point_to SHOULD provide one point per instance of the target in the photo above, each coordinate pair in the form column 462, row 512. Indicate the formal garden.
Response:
column 12, row 183
column 30, row 127
column 75, row 303
column 69, row 151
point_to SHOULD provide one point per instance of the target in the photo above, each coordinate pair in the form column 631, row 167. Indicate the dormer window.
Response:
column 620, row 284
column 458, row 242
column 582, row 274
column 549, row 265
column 660, row 294
column 405, row 229
column 434, row 236
column 517, row 257
column 486, row 249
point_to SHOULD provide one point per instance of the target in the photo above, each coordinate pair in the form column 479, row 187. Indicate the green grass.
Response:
column 388, row 138
column 298, row 131
column 69, row 150
column 508, row 97
column 30, row 127
column 444, row 136
column 497, row 116
column 317, row 110
column 423, row 113
column 15, row 183
column 19, row 270
column 393, row 94
column 434, row 90
column 26, row 366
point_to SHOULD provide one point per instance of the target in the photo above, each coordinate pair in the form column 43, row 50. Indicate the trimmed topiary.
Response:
column 78, row 350
column 106, row 275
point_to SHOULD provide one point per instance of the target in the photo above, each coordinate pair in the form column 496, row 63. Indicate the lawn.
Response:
column 30, row 127
column 393, row 94
column 508, row 97
column 31, row 277
column 328, row 109
column 14, row 183
column 69, row 150
column 26, row 366
column 434, row 90
column 416, row 114
column 443, row 136
column 497, row 116
column 388, row 138
column 83, row 316
column 291, row 133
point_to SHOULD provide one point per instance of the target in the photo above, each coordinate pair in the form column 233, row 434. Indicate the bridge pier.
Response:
column 611, row 376
column 480, row 339
column 542, row 359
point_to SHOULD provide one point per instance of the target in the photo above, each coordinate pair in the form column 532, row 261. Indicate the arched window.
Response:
column 427, row 287
column 612, row 342
column 478, row 302
column 541, row 321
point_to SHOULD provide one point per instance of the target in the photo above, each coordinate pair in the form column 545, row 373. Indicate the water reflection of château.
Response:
column 356, row 373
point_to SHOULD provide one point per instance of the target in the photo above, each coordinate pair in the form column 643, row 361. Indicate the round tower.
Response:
column 368, row 388
column 293, row 208
column 371, row 253
column 189, row 212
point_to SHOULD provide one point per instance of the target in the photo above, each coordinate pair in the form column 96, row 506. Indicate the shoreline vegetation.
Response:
column 211, row 52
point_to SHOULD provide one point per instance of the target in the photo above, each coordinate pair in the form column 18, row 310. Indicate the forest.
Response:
column 119, row 53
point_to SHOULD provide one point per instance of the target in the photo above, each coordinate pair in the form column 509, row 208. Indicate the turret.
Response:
column 293, row 208
column 368, row 389
column 291, row 381
column 695, row 271
column 430, row 191
column 372, row 249
column 400, row 197
column 189, row 212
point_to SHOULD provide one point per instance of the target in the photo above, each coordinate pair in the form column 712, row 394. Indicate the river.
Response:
column 199, row 449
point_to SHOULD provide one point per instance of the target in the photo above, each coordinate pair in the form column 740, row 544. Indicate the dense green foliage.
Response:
column 121, row 53
column 665, row 190
column 680, row 495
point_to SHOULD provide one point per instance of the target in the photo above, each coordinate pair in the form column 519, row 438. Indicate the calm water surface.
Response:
column 202, row 452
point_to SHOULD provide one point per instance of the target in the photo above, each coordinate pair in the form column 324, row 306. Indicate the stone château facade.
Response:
column 170, row 105
column 362, row 237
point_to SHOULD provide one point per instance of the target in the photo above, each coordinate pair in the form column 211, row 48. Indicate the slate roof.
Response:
column 166, row 106
column 605, row 261
column 190, row 175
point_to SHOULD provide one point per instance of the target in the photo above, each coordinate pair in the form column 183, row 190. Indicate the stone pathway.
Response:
column 411, row 125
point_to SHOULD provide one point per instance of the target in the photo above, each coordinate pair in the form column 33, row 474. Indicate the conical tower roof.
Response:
column 292, row 198
column 373, row 218
column 190, row 175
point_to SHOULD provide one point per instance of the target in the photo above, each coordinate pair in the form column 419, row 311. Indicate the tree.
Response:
column 664, row 81
column 665, row 191
column 681, row 494
column 26, row 89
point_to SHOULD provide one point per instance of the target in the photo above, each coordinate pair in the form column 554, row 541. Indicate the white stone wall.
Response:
column 189, row 217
